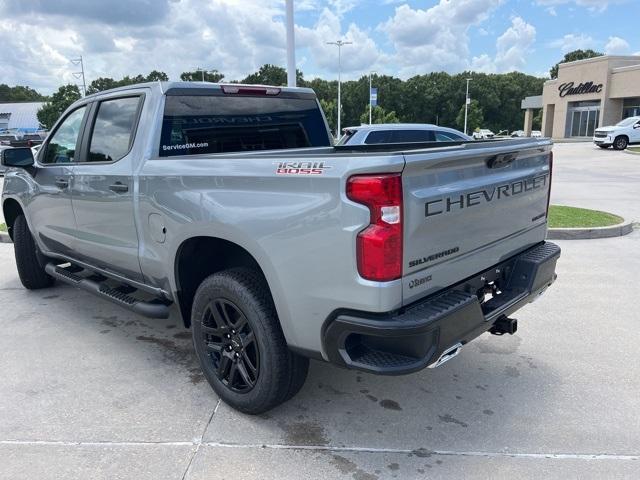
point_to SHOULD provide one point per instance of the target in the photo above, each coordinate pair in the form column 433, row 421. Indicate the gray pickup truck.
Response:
column 229, row 206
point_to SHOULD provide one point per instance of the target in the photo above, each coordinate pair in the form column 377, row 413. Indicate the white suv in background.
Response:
column 483, row 134
column 620, row 135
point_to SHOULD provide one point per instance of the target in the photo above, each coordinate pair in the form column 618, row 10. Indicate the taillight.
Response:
column 550, row 175
column 379, row 246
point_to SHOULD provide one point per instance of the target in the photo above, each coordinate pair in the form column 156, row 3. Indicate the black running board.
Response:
column 153, row 309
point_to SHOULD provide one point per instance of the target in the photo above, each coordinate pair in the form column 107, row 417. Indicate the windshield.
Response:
column 626, row 122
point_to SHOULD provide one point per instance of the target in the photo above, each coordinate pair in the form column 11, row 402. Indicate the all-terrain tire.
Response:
column 28, row 258
column 237, row 303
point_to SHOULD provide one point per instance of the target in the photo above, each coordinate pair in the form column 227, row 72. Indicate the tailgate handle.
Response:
column 502, row 160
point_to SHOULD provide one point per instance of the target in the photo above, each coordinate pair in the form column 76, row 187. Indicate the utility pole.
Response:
column 80, row 74
column 370, row 104
column 198, row 69
column 291, row 47
column 339, row 44
column 466, row 106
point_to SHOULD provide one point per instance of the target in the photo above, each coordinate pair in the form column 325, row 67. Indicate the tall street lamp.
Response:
column 466, row 106
column 339, row 44
column 291, row 47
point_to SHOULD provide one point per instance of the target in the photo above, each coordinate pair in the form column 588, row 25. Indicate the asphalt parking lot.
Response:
column 89, row 390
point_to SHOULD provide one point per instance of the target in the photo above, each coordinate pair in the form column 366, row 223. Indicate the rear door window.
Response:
column 412, row 136
column 379, row 136
column 113, row 129
column 200, row 124
column 447, row 137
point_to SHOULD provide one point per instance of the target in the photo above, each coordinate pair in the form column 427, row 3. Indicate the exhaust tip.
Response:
column 447, row 355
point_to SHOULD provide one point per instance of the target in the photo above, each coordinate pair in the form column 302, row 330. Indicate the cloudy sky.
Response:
column 126, row 37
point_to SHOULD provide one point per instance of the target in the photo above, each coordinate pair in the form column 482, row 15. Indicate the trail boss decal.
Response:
column 301, row 168
column 472, row 199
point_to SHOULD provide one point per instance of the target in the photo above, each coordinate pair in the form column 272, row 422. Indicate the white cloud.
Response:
column 514, row 45
column 232, row 36
column 552, row 11
column 591, row 5
column 572, row 41
column 616, row 46
column 512, row 48
column 357, row 58
column 435, row 38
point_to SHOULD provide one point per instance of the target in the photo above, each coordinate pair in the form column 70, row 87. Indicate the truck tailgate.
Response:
column 468, row 208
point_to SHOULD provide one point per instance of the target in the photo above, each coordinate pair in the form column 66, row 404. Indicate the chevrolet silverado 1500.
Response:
column 228, row 206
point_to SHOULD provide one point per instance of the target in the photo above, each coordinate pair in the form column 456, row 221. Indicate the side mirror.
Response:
column 637, row 125
column 16, row 157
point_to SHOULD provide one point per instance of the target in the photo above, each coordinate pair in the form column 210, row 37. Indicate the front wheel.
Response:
column 620, row 143
column 30, row 268
column 240, row 345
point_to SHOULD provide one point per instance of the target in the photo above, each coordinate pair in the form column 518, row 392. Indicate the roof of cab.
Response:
column 164, row 87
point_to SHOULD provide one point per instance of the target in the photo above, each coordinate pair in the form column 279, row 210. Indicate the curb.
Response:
column 5, row 238
column 618, row 230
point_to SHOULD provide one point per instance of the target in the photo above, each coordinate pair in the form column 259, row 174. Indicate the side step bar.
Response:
column 152, row 309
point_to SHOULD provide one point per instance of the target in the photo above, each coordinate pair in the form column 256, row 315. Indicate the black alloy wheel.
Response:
column 231, row 345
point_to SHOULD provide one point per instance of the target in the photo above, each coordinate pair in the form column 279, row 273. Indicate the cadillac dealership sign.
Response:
column 586, row 87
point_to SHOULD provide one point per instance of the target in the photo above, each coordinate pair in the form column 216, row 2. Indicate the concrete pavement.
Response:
column 590, row 177
column 92, row 391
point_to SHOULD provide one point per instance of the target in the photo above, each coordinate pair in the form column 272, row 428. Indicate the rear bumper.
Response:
column 416, row 336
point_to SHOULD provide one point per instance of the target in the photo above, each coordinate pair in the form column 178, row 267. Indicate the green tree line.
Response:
column 436, row 97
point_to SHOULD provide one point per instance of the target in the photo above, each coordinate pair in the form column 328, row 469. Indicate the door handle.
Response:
column 119, row 187
column 62, row 183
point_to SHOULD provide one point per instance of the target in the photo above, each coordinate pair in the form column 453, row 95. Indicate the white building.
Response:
column 21, row 116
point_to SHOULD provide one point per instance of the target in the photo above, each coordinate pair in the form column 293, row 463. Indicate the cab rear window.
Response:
column 201, row 124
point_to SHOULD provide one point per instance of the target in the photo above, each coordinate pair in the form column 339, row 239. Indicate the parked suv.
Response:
column 620, row 135
column 228, row 207
column 400, row 133
column 483, row 134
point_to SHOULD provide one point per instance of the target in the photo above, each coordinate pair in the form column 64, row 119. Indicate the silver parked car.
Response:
column 400, row 133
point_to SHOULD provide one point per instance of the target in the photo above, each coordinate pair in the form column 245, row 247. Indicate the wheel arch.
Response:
column 200, row 256
column 11, row 209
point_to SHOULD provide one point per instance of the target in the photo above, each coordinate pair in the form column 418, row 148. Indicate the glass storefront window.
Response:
column 583, row 118
column 631, row 107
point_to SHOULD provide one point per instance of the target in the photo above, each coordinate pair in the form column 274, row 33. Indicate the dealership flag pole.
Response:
column 373, row 97
column 291, row 47
column 467, row 101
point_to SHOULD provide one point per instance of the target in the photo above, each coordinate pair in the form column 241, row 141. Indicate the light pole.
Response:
column 339, row 44
column 291, row 47
column 370, row 105
column 466, row 106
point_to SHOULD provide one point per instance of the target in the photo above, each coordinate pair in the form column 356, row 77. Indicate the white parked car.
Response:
column 483, row 134
column 536, row 133
column 620, row 135
column 518, row 133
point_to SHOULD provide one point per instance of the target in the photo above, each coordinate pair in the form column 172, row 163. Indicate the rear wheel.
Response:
column 28, row 257
column 240, row 345
column 620, row 143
